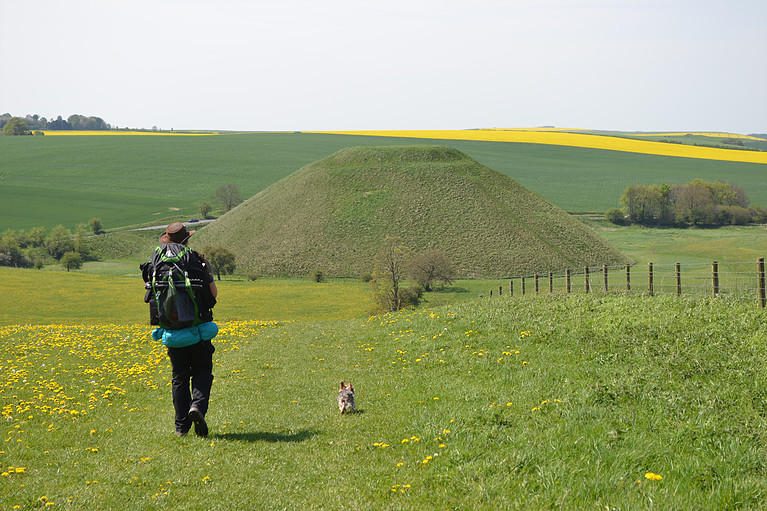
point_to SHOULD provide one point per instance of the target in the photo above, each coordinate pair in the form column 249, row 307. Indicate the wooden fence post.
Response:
column 586, row 277
column 511, row 287
column 551, row 282
column 567, row 280
column 523, row 286
column 678, row 271
column 500, row 290
column 649, row 280
column 536, row 283
column 715, row 278
column 760, row 272
column 628, row 278
column 604, row 273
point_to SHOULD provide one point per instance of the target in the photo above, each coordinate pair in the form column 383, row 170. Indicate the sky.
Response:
column 324, row 65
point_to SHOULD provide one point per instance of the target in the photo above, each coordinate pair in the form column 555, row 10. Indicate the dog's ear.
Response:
column 350, row 387
column 342, row 385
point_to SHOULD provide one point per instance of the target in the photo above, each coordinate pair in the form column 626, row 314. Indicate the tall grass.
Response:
column 579, row 402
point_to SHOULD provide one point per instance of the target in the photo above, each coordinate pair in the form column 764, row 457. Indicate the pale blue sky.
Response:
column 634, row 65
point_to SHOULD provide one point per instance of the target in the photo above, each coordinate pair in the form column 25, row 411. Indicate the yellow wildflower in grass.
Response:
column 581, row 139
column 653, row 477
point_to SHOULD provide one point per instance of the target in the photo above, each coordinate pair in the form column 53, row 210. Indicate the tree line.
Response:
column 37, row 123
column 35, row 247
column 698, row 202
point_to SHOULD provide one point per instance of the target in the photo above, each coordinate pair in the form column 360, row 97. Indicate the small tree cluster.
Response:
column 24, row 249
column 15, row 127
column 394, row 263
column 221, row 260
column 73, row 122
column 431, row 266
column 696, row 203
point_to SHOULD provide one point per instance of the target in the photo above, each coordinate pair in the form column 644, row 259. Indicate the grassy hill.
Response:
column 151, row 180
column 335, row 213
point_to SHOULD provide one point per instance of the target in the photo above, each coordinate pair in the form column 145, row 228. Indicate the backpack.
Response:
column 176, row 294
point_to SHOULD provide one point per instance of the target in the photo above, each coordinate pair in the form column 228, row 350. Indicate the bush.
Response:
column 318, row 276
column 411, row 296
column 615, row 216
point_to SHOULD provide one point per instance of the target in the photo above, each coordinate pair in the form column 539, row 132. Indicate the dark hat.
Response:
column 176, row 233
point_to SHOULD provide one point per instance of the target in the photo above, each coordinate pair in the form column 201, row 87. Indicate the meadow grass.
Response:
column 557, row 402
column 134, row 180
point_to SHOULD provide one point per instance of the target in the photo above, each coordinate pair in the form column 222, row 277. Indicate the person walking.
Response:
column 190, row 349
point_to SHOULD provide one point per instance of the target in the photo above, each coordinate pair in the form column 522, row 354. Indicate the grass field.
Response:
column 134, row 180
column 535, row 402
column 526, row 403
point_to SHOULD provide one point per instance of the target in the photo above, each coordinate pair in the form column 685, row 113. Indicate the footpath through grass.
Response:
column 548, row 402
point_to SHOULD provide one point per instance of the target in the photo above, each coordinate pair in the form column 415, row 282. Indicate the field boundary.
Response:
column 743, row 281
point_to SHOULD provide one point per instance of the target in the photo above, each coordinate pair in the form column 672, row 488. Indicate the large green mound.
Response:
column 334, row 214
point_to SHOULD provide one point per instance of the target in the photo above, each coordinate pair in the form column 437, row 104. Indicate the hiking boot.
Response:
column 200, row 426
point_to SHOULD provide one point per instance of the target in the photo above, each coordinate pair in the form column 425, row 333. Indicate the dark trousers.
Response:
column 191, row 364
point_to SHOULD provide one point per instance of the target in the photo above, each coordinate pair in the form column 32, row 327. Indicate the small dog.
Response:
column 346, row 398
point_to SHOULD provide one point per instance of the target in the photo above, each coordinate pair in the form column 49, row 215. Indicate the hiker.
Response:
column 181, row 293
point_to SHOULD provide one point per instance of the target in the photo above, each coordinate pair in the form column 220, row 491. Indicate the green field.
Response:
column 599, row 401
column 562, row 402
column 147, row 180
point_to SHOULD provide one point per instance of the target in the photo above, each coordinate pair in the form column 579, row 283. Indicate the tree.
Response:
column 205, row 209
column 59, row 241
column 10, row 250
column 389, row 272
column 229, row 195
column 79, row 241
column 221, row 260
column 95, row 225
column 430, row 266
column 72, row 261
column 15, row 126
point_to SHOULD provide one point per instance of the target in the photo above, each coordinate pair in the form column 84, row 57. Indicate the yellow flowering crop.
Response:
column 581, row 138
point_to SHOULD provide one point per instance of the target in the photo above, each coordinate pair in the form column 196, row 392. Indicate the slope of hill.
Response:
column 335, row 213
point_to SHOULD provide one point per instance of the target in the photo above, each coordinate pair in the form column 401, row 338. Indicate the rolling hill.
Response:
column 334, row 214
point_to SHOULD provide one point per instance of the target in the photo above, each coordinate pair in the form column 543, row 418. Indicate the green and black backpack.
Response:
column 175, row 290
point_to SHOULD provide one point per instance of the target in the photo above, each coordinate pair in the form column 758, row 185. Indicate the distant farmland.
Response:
column 145, row 179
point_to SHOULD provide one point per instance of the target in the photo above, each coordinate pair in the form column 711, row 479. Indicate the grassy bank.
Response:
column 555, row 402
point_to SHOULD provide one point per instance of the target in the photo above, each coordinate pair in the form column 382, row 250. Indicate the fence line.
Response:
column 732, row 280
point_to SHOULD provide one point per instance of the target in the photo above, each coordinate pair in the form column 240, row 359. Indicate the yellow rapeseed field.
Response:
column 581, row 139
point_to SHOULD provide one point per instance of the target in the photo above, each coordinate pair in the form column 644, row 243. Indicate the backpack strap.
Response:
column 171, row 259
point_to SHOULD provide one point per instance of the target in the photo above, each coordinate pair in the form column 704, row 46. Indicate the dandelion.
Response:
column 653, row 477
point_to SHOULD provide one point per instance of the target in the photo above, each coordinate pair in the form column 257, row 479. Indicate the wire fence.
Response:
column 743, row 281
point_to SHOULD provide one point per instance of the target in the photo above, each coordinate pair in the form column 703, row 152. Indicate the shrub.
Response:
column 615, row 216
